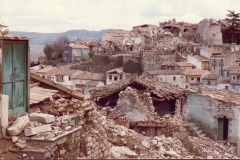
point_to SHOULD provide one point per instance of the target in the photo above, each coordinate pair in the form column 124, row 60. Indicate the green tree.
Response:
column 48, row 51
column 59, row 44
column 234, row 28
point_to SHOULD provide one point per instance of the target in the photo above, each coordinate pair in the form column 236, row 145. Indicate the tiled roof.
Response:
column 184, row 64
column 166, row 72
column 168, row 63
column 91, row 83
column 90, row 76
column 234, row 71
column 66, row 72
column 160, row 89
column 194, row 72
column 117, row 70
column 216, row 52
column 211, row 76
column 223, row 95
column 236, row 67
column 48, row 70
column 201, row 58
column 223, row 80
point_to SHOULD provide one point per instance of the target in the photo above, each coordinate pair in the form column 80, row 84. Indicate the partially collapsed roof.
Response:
column 162, row 90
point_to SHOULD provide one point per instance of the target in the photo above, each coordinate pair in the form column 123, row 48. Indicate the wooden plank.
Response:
column 60, row 87
column 34, row 84
column 40, row 89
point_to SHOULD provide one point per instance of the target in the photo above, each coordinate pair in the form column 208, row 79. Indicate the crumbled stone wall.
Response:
column 152, row 60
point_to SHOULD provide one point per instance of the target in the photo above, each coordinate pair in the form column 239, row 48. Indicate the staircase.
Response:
column 197, row 130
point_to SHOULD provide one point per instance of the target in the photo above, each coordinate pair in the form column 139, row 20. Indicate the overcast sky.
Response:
column 54, row 16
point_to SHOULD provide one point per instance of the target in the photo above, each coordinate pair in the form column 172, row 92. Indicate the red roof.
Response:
column 194, row 72
column 201, row 58
column 184, row 64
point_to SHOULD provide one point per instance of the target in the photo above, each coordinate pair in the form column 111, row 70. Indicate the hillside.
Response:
column 44, row 38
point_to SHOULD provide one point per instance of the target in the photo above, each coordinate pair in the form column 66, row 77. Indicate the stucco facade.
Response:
column 207, row 113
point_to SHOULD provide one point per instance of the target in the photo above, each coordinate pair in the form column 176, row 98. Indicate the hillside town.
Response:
column 167, row 91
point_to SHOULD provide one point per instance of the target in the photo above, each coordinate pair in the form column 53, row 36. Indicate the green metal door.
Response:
column 14, row 75
column 220, row 129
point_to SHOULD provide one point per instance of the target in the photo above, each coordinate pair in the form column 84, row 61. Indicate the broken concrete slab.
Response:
column 36, row 130
column 41, row 117
column 18, row 125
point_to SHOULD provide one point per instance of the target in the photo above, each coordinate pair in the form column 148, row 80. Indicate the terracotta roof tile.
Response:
column 223, row 80
column 160, row 89
column 221, row 95
column 211, row 76
column 166, row 72
column 90, row 76
column 48, row 70
column 184, row 64
column 91, row 83
column 194, row 72
column 201, row 58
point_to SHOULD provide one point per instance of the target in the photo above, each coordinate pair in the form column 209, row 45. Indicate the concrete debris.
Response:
column 40, row 117
column 118, row 151
column 14, row 139
column 145, row 144
column 18, row 125
column 21, row 143
column 38, row 129
column 91, row 133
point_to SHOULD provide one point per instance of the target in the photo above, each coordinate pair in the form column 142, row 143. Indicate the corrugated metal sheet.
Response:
column 38, row 94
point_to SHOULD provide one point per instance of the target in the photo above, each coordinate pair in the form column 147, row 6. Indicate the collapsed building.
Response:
column 147, row 122
column 219, row 113
column 209, row 32
column 164, row 95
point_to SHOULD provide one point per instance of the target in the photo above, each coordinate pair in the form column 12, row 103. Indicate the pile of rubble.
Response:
column 67, row 128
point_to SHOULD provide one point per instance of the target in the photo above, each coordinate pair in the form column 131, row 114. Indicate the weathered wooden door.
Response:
column 220, row 129
column 14, row 75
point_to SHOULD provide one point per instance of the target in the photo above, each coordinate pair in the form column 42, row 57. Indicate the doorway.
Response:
column 223, row 128
column 15, row 75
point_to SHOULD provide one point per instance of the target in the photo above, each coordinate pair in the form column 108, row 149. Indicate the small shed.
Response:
column 14, row 57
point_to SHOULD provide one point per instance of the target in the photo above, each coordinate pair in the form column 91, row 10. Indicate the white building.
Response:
column 114, row 75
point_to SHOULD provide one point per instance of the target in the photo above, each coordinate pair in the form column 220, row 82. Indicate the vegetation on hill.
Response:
column 55, row 49
column 232, row 33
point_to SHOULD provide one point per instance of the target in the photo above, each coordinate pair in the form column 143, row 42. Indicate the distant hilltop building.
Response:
column 209, row 32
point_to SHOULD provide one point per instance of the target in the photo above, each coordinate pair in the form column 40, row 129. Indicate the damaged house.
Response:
column 217, row 112
column 164, row 95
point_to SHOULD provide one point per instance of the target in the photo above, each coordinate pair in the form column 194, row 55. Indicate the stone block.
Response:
column 18, row 125
column 41, row 117
column 146, row 144
column 38, row 129
column 88, row 139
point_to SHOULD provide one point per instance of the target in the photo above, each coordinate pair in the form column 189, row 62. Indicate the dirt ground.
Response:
column 4, row 147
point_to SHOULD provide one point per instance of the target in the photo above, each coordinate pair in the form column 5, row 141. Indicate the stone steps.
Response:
column 197, row 130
